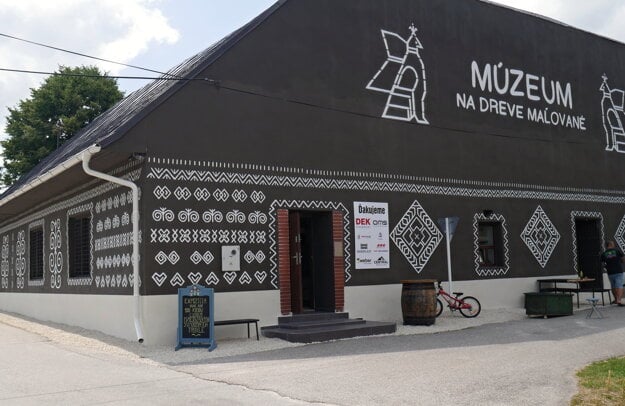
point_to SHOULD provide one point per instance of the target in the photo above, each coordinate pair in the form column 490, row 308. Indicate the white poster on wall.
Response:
column 230, row 258
column 371, row 231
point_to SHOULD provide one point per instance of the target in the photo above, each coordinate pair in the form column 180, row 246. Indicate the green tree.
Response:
column 53, row 114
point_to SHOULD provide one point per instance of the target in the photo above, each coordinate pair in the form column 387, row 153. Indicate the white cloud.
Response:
column 118, row 30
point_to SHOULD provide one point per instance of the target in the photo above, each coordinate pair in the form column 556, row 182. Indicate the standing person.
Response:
column 612, row 257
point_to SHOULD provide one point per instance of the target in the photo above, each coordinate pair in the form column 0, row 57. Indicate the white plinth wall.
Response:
column 112, row 314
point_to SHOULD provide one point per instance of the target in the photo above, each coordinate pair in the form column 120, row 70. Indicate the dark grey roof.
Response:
column 116, row 121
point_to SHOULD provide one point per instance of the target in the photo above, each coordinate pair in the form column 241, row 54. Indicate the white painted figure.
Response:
column 402, row 77
column 613, row 116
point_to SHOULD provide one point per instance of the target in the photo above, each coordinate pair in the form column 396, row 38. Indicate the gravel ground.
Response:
column 89, row 341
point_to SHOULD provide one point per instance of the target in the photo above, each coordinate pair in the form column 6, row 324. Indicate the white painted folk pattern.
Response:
column 474, row 188
column 39, row 224
column 4, row 265
column 491, row 270
column 540, row 236
column 306, row 204
column 204, row 176
column 20, row 260
column 161, row 257
column 416, row 236
column 619, row 236
column 85, row 209
column 209, row 236
column 56, row 256
column 212, row 279
column 584, row 215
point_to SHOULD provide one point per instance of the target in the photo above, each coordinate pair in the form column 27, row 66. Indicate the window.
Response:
column 490, row 244
column 79, row 241
column 35, row 243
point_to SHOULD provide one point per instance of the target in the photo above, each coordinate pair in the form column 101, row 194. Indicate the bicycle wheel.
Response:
column 475, row 308
column 439, row 307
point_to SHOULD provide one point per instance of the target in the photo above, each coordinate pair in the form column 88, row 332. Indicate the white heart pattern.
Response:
column 195, row 277
column 260, row 276
column 131, row 278
column 158, row 278
column 230, row 277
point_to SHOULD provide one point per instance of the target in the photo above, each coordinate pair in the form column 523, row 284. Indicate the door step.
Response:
column 315, row 327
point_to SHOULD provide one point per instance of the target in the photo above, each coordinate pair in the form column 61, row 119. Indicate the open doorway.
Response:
column 311, row 261
column 589, row 246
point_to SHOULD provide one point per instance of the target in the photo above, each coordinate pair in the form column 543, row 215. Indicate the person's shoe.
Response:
column 613, row 302
column 620, row 304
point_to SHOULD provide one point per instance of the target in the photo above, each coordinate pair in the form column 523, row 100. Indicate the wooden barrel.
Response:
column 418, row 302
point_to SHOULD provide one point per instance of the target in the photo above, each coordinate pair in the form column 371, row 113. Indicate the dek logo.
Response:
column 402, row 77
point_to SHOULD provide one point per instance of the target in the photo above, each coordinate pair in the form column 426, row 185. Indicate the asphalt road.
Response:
column 525, row 362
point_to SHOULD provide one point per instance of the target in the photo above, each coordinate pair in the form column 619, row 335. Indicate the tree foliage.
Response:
column 53, row 114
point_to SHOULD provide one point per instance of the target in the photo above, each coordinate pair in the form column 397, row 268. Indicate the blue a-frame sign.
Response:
column 196, row 325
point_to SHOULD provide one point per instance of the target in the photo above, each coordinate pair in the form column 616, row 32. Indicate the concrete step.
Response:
column 312, row 316
column 327, row 333
column 319, row 323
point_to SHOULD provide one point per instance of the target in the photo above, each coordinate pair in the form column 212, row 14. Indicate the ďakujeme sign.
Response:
column 372, row 235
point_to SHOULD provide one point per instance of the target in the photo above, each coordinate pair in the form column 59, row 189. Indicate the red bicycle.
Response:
column 467, row 305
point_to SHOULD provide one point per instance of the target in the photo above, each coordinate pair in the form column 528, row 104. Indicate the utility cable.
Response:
column 83, row 55
column 168, row 77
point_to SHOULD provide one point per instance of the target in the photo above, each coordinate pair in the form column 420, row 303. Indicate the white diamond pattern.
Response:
column 540, row 236
column 416, row 236
column 196, row 257
column 208, row 257
column 249, row 257
column 620, row 234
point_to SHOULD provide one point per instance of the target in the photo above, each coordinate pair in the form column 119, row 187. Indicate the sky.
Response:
column 159, row 34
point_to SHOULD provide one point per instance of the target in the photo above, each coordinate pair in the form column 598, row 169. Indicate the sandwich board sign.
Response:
column 196, row 324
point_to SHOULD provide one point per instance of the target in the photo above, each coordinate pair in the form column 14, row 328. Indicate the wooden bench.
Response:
column 240, row 321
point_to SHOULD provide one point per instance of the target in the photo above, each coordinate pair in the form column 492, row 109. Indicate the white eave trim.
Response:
column 62, row 167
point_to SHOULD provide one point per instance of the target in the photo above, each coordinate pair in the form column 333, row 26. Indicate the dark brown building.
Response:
column 355, row 125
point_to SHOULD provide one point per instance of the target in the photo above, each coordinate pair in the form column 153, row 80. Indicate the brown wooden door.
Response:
column 295, row 250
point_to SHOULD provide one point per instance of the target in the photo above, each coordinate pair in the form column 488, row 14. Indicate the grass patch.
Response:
column 601, row 383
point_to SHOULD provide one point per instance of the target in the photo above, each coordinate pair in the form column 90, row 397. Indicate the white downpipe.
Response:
column 86, row 157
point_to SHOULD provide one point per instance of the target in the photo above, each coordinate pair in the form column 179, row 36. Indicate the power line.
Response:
column 83, row 55
column 170, row 77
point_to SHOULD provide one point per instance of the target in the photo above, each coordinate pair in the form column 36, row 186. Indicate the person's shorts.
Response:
column 616, row 280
